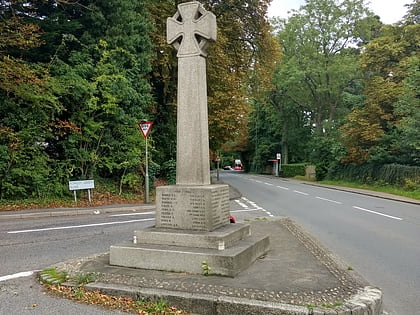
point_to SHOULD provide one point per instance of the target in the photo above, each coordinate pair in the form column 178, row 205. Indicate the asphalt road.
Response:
column 377, row 237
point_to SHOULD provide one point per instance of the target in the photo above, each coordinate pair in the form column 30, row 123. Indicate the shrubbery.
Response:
column 292, row 170
column 389, row 174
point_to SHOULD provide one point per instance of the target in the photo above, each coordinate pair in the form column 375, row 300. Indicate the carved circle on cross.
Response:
column 191, row 29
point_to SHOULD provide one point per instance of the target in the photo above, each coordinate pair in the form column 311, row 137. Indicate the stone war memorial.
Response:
column 192, row 217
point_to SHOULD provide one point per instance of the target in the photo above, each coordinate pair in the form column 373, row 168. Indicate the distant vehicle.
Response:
column 228, row 168
column 237, row 166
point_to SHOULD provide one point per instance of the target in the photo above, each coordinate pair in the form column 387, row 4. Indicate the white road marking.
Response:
column 258, row 181
column 281, row 187
column 245, row 210
column 329, row 200
column 79, row 226
column 18, row 275
column 300, row 192
column 131, row 214
column 269, row 184
column 378, row 213
column 241, row 204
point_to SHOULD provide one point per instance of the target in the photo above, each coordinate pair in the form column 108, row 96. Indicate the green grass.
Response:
column 414, row 194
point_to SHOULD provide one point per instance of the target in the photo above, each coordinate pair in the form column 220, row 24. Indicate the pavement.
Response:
column 297, row 276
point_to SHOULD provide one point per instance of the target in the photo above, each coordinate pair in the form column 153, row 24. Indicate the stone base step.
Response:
column 220, row 239
column 229, row 262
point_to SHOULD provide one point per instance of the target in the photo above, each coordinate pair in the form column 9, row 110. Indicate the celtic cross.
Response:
column 190, row 30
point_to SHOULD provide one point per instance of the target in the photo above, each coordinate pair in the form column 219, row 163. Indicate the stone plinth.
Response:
column 198, row 208
column 220, row 239
column 228, row 251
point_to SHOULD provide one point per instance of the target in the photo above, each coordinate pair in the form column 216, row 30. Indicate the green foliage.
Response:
column 292, row 170
column 390, row 174
column 71, row 95
column 206, row 268
column 85, row 278
column 168, row 171
column 52, row 276
column 157, row 308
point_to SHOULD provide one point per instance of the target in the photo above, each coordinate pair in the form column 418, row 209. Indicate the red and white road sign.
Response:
column 145, row 127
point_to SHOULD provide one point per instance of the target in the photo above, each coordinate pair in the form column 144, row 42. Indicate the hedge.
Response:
column 392, row 174
column 292, row 170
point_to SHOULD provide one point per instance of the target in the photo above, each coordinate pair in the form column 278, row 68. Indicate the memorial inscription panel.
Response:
column 194, row 208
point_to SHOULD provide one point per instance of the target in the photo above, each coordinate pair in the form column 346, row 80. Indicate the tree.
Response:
column 27, row 105
column 374, row 131
column 317, row 75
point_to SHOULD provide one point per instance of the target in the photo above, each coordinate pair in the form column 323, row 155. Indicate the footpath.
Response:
column 297, row 276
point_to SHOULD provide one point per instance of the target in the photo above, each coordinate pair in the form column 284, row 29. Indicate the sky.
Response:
column 390, row 11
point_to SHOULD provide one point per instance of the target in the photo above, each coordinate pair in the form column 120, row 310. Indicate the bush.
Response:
column 292, row 170
column 168, row 171
column 389, row 174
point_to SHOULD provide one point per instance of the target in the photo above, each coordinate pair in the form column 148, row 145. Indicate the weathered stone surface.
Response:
column 229, row 262
column 203, row 208
column 190, row 30
column 220, row 239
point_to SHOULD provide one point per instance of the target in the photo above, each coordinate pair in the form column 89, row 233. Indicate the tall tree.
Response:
column 319, row 63
column 374, row 131
column 27, row 107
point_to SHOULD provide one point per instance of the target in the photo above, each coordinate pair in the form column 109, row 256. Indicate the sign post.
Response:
column 81, row 184
column 278, row 164
column 145, row 127
column 217, row 166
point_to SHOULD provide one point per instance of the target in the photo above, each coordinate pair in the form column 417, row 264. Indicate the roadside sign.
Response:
column 145, row 127
column 278, row 156
column 81, row 184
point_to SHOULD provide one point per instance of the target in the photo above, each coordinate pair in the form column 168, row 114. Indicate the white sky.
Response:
column 390, row 11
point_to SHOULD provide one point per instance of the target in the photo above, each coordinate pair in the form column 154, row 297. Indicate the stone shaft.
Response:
column 192, row 162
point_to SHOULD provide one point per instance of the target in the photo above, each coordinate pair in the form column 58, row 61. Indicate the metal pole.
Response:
column 147, row 175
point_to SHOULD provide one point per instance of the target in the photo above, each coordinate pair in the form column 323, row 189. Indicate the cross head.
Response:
column 191, row 29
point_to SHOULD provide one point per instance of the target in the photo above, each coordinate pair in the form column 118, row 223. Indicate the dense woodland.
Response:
column 331, row 86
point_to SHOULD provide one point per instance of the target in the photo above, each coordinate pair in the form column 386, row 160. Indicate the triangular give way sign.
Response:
column 145, row 127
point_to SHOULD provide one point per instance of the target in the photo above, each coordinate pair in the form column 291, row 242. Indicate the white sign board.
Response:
column 81, row 184
column 278, row 156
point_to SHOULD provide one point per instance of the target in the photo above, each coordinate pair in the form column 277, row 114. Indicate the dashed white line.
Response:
column 268, row 184
column 131, row 214
column 281, row 187
column 378, row 213
column 18, row 275
column 258, row 181
column 245, row 210
column 78, row 226
column 329, row 200
column 300, row 192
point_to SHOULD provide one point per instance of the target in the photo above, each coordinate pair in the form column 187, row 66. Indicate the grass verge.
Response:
column 415, row 194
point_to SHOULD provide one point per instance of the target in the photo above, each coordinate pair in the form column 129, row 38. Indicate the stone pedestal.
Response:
column 192, row 226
